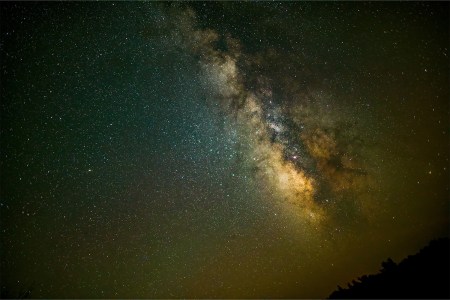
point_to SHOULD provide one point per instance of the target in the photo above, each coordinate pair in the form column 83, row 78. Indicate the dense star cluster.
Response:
column 218, row 150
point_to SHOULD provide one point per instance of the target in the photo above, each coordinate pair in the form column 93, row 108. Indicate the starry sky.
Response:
column 218, row 150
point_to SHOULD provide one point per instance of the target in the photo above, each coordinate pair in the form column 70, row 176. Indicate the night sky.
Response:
column 228, row 149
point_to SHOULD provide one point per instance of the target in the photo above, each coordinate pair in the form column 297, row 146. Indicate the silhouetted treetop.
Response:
column 423, row 275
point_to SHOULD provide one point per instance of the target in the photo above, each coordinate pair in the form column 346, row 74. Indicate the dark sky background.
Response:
column 154, row 150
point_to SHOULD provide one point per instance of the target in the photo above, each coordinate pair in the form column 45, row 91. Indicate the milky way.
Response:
column 218, row 150
column 293, row 147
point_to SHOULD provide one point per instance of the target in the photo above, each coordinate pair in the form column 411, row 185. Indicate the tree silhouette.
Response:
column 423, row 275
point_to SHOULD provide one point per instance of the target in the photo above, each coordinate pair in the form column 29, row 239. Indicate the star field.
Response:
column 218, row 150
